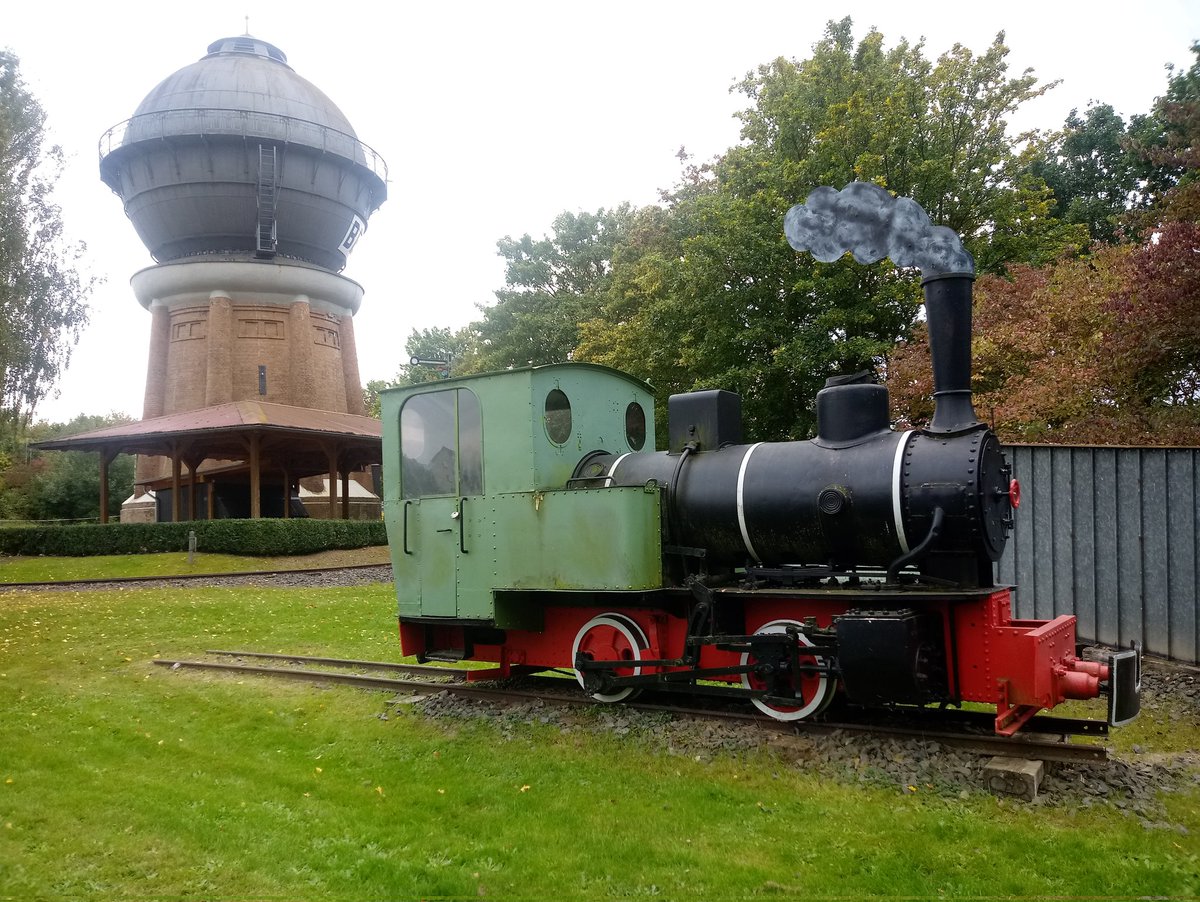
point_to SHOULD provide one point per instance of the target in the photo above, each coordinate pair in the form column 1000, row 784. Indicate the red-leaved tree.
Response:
column 1101, row 350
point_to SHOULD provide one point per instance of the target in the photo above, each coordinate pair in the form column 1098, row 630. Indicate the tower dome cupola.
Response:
column 237, row 155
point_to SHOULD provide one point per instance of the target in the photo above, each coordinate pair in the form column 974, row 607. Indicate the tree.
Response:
column 637, row 311
column 69, row 488
column 42, row 295
column 551, row 286
column 60, row 485
column 1037, row 365
column 1169, row 140
column 1099, row 350
column 1155, row 344
column 714, row 297
column 1094, row 172
column 936, row 132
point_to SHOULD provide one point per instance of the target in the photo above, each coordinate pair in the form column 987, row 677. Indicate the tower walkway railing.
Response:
column 174, row 124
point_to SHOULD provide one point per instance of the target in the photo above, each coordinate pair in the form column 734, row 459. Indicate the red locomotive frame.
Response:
column 1019, row 666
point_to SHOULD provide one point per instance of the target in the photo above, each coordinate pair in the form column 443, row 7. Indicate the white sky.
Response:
column 495, row 117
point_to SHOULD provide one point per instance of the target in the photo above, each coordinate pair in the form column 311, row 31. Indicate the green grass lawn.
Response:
column 119, row 778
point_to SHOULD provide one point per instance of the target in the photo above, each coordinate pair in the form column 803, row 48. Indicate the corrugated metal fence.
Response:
column 1111, row 535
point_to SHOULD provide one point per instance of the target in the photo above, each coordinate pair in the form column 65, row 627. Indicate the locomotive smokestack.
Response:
column 948, row 313
column 863, row 219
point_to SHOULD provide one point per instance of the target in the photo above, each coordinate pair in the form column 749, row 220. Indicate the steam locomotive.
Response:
column 533, row 525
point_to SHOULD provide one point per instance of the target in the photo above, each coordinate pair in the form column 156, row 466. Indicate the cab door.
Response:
column 441, row 470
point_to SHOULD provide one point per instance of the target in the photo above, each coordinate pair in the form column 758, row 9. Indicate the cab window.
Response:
column 558, row 416
column 441, row 444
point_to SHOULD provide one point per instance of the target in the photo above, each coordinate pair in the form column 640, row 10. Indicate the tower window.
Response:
column 260, row 328
column 192, row 328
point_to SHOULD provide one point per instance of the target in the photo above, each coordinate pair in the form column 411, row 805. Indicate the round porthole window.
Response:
column 635, row 426
column 558, row 417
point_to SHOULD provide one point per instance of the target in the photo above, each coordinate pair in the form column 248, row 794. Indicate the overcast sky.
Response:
column 495, row 117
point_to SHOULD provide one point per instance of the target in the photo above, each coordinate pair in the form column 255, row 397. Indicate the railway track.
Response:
column 192, row 577
column 956, row 731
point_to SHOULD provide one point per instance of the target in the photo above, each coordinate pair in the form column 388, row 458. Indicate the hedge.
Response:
column 251, row 537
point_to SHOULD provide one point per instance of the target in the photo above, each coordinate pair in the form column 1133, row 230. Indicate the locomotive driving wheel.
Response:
column 815, row 690
column 611, row 637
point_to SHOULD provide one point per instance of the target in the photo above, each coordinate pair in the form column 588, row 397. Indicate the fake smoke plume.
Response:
column 865, row 220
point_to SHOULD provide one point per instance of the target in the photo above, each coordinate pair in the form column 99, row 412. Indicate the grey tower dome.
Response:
column 238, row 155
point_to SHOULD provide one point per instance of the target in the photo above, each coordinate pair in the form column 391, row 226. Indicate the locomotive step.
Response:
column 447, row 655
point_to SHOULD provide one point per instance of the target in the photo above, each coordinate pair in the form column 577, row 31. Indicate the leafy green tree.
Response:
column 1095, row 174
column 16, row 473
column 552, row 284
column 640, row 327
column 42, row 295
column 371, row 400
column 69, row 488
column 936, row 132
column 61, row 485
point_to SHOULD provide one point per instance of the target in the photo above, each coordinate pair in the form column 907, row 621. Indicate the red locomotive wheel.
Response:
column 815, row 689
column 611, row 637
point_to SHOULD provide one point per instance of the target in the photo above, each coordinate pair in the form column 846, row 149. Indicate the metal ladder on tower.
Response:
column 266, row 236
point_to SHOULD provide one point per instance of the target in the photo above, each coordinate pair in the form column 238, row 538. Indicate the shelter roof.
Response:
column 222, row 430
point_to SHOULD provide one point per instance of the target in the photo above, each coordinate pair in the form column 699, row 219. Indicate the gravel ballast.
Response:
column 1131, row 784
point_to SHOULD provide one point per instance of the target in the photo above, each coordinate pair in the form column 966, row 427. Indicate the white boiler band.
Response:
column 741, row 507
column 897, row 511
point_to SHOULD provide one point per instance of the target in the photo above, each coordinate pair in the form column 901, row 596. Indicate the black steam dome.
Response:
column 238, row 155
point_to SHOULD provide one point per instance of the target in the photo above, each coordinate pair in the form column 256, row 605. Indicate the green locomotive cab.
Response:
column 479, row 501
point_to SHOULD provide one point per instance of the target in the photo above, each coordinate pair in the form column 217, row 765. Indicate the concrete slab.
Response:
column 1018, row 777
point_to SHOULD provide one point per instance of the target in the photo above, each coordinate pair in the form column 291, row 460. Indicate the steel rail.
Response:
column 426, row 669
column 1018, row 747
column 1011, row 747
column 419, row 687
column 983, row 744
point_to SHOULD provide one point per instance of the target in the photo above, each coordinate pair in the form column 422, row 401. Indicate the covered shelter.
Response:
column 251, row 443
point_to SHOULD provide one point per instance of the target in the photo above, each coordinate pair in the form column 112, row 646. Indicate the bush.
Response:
column 251, row 537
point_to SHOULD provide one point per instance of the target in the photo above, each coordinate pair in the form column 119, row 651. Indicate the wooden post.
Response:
column 106, row 457
column 287, row 493
column 192, row 490
column 175, row 482
column 331, row 456
column 192, row 464
column 346, row 492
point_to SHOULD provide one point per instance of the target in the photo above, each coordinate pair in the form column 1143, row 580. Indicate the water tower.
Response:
column 250, row 189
